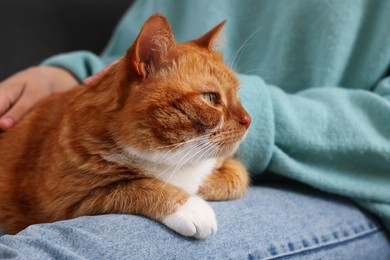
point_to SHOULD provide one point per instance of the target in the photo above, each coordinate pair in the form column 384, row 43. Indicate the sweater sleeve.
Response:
column 332, row 138
column 81, row 64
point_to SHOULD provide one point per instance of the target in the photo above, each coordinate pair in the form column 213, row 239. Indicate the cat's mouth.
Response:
column 228, row 141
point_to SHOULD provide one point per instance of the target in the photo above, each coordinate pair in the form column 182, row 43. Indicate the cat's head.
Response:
column 177, row 100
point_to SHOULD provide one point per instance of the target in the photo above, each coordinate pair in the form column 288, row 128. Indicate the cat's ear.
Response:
column 209, row 40
column 153, row 45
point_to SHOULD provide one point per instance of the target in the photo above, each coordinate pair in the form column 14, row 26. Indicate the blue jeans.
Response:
column 273, row 221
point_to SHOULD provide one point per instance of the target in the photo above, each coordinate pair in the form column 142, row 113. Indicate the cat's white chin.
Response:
column 195, row 218
column 229, row 150
column 187, row 176
column 189, row 153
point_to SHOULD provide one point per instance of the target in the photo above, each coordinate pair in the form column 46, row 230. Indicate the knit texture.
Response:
column 313, row 77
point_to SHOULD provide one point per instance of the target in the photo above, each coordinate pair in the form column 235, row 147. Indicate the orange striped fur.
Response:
column 151, row 136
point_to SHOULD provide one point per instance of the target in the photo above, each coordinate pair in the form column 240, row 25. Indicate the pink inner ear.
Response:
column 153, row 45
column 139, row 67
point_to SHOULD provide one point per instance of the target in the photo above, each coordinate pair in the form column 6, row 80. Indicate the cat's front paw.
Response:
column 195, row 218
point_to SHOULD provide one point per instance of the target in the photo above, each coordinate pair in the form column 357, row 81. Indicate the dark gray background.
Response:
column 32, row 30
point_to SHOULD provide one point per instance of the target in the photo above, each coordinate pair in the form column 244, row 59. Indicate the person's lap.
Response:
column 273, row 220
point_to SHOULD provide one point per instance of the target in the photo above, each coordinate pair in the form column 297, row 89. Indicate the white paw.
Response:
column 195, row 218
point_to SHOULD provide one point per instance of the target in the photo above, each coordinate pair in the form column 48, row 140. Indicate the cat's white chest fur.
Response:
column 193, row 218
column 187, row 177
column 168, row 169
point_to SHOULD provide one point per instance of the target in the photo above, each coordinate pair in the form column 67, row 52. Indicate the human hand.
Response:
column 20, row 92
column 100, row 74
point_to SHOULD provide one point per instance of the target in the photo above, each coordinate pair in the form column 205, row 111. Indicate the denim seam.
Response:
column 337, row 239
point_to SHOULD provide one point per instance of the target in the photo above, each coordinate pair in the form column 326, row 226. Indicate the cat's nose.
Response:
column 245, row 121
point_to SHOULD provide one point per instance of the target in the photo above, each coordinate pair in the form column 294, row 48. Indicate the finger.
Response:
column 6, row 122
column 9, row 94
column 98, row 75
column 16, row 112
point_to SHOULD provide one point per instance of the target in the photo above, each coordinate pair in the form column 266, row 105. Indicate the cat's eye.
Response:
column 210, row 98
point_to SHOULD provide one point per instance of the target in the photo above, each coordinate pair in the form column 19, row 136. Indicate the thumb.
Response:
column 13, row 115
column 6, row 122
column 9, row 95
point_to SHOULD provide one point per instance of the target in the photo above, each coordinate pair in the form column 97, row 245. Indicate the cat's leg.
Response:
column 188, row 215
column 228, row 181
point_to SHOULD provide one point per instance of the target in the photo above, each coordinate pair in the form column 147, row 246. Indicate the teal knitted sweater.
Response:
column 314, row 76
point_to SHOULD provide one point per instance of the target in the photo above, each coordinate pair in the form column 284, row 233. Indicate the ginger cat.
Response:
column 152, row 136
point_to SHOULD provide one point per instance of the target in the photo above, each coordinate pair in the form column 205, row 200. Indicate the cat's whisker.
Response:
column 264, row 73
column 218, row 150
column 215, row 153
column 254, row 70
column 238, row 59
column 219, row 146
column 113, row 169
column 207, row 146
column 221, row 135
column 190, row 155
column 184, row 142
column 205, row 153
column 231, row 64
column 198, row 139
column 174, row 155
column 220, row 140
column 184, row 159
column 180, row 152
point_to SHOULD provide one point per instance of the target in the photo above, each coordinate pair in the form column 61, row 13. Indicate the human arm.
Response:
column 332, row 138
column 20, row 92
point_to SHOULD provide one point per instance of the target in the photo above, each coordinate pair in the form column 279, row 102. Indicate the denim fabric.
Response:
column 284, row 220
column 307, row 71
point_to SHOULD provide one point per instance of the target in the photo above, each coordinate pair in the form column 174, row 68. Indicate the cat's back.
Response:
column 25, row 142
column 23, row 152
